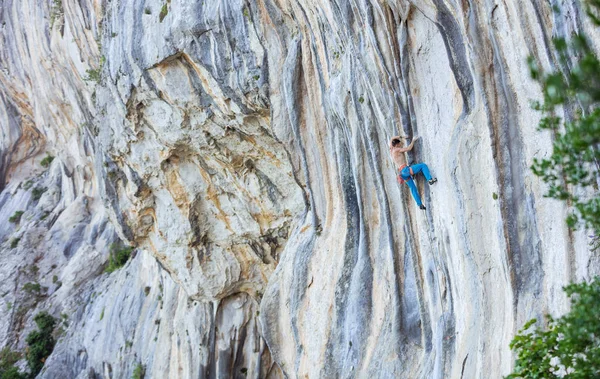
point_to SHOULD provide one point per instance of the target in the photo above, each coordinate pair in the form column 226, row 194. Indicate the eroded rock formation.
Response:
column 241, row 148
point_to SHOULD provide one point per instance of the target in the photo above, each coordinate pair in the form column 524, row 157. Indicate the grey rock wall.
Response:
column 241, row 147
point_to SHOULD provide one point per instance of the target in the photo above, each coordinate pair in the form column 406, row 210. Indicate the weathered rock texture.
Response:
column 241, row 147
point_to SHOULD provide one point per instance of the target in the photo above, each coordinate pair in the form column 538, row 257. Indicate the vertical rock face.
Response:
column 242, row 148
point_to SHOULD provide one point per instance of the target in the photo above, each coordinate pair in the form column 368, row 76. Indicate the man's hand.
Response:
column 409, row 147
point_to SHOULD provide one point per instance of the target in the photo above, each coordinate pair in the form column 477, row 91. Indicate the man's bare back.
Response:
column 398, row 151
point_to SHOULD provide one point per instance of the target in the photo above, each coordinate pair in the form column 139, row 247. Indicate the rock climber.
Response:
column 406, row 172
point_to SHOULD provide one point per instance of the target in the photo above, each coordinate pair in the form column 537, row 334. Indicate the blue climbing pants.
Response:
column 405, row 175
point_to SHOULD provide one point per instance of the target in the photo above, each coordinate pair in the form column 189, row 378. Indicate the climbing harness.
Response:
column 400, row 179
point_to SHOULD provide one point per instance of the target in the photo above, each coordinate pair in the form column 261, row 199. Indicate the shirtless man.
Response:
column 406, row 172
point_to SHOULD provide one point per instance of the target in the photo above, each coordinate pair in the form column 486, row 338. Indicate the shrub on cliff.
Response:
column 119, row 255
column 138, row 372
column 41, row 342
column 572, row 170
column 37, row 193
column 16, row 217
column 46, row 161
column 8, row 370
column 570, row 346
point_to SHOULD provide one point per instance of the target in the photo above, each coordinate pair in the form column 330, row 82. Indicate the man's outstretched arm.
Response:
column 409, row 147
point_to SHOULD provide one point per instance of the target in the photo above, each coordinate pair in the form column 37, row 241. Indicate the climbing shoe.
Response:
column 432, row 181
column 422, row 207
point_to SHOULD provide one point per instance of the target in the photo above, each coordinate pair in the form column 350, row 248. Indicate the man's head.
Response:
column 395, row 142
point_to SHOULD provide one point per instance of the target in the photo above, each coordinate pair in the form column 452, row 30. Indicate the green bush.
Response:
column 55, row 11
column 41, row 342
column 93, row 75
column 37, row 193
column 33, row 269
column 12, row 373
column 119, row 255
column 14, row 242
column 568, row 345
column 40, row 345
column 16, row 217
column 163, row 12
column 138, row 372
column 8, row 358
column 573, row 167
column 32, row 288
column 46, row 161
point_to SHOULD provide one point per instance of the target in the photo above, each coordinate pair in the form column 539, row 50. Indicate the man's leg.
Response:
column 421, row 167
column 414, row 191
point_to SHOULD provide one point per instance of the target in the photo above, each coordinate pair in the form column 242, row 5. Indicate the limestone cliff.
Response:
column 242, row 148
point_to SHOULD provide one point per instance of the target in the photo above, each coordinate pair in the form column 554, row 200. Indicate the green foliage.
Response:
column 37, row 193
column 32, row 288
column 16, row 217
column 46, row 161
column 27, row 185
column 147, row 10
column 14, row 243
column 8, row 358
column 34, row 269
column 41, row 342
column 569, row 345
column 138, row 372
column 93, row 75
column 44, row 321
column 574, row 164
column 164, row 11
column 119, row 255
column 12, row 373
column 101, row 314
column 361, row 99
column 494, row 196
column 55, row 11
